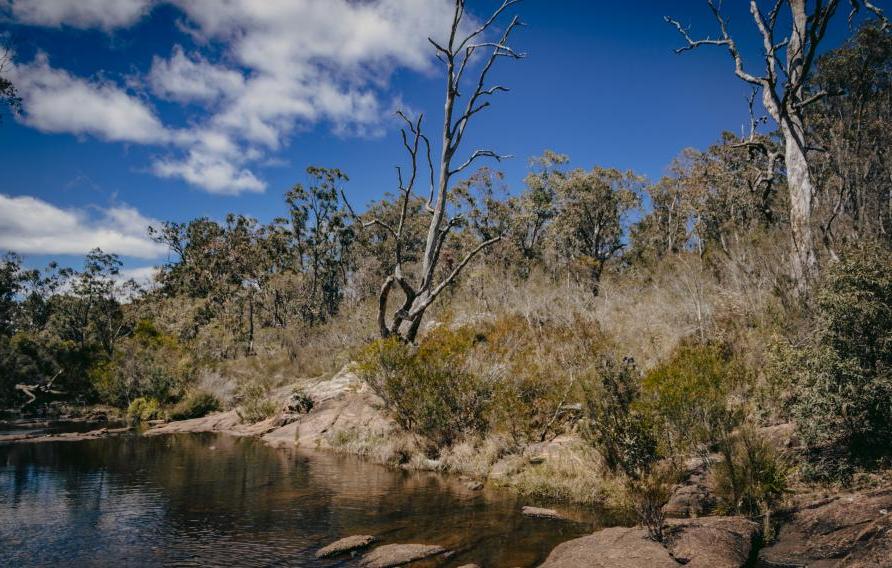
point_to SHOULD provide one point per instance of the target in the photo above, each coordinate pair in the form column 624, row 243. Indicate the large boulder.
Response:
column 399, row 554
column 616, row 547
column 691, row 498
column 709, row 542
column 852, row 530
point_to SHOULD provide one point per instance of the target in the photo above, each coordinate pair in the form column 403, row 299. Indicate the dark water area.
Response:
column 213, row 500
column 42, row 427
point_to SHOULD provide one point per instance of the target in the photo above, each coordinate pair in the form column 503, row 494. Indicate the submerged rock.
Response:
column 398, row 554
column 344, row 545
column 540, row 513
column 851, row 530
column 710, row 542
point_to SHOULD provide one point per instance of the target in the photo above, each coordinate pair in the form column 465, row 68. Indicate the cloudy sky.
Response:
column 141, row 110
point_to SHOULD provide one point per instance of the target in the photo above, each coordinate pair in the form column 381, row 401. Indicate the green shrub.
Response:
column 254, row 403
column 144, row 409
column 428, row 389
column 751, row 478
column 195, row 405
column 687, row 397
column 537, row 370
column 842, row 402
column 613, row 424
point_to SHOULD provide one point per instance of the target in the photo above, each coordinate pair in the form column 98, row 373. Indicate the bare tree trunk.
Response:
column 801, row 188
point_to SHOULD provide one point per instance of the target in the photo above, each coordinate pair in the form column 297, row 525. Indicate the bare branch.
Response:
column 479, row 154
column 454, row 274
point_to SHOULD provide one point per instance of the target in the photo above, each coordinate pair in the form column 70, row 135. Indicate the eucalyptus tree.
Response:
column 786, row 63
column 459, row 54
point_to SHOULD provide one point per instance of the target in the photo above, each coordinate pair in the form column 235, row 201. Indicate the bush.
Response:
column 144, row 409
column 649, row 493
column 254, row 403
column 842, row 400
column 687, row 397
column 751, row 478
column 613, row 424
column 195, row 405
column 428, row 389
column 536, row 369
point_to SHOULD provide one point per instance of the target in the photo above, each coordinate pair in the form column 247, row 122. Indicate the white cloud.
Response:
column 29, row 225
column 185, row 78
column 213, row 173
column 285, row 65
column 56, row 101
column 105, row 14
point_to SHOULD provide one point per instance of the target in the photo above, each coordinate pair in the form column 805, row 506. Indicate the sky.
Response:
column 138, row 111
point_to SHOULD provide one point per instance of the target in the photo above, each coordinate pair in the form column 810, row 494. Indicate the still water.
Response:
column 213, row 500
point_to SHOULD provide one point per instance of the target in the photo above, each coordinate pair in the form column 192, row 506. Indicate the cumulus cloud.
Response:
column 184, row 78
column 29, row 225
column 57, row 101
column 105, row 14
column 284, row 65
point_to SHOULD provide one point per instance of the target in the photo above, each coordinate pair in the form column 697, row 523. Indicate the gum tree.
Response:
column 466, row 48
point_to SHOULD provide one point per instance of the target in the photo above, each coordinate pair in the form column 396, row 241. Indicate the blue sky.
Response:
column 146, row 110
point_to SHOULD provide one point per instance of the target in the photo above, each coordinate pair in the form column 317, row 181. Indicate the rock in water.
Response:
column 399, row 554
column 616, row 547
column 709, row 542
column 540, row 513
column 348, row 544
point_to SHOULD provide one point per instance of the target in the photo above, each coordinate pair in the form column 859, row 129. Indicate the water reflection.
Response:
column 205, row 500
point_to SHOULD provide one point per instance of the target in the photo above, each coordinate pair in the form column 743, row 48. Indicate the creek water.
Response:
column 214, row 500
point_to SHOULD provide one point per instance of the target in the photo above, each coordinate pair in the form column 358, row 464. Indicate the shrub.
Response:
column 613, row 424
column 687, row 397
column 195, row 405
column 536, row 369
column 751, row 478
column 428, row 389
column 649, row 493
column 254, row 403
column 144, row 409
column 842, row 400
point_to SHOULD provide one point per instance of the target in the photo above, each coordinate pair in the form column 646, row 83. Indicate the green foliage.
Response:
column 649, row 492
column 613, row 423
column 254, row 403
column 428, row 389
column 149, row 363
column 687, row 396
column 752, row 478
column 195, row 405
column 842, row 400
column 144, row 409
column 537, row 372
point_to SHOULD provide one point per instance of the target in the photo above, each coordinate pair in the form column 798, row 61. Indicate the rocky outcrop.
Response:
column 851, row 530
column 62, row 437
column 345, row 545
column 710, row 542
column 616, row 547
column 692, row 498
column 399, row 554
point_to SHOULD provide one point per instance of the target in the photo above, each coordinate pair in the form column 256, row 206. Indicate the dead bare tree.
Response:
column 784, row 97
column 459, row 54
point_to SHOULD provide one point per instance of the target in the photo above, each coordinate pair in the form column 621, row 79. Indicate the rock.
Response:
column 711, row 542
column 348, row 544
column 398, row 554
column 848, row 530
column 474, row 485
column 469, row 566
column 540, row 513
column 616, row 547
